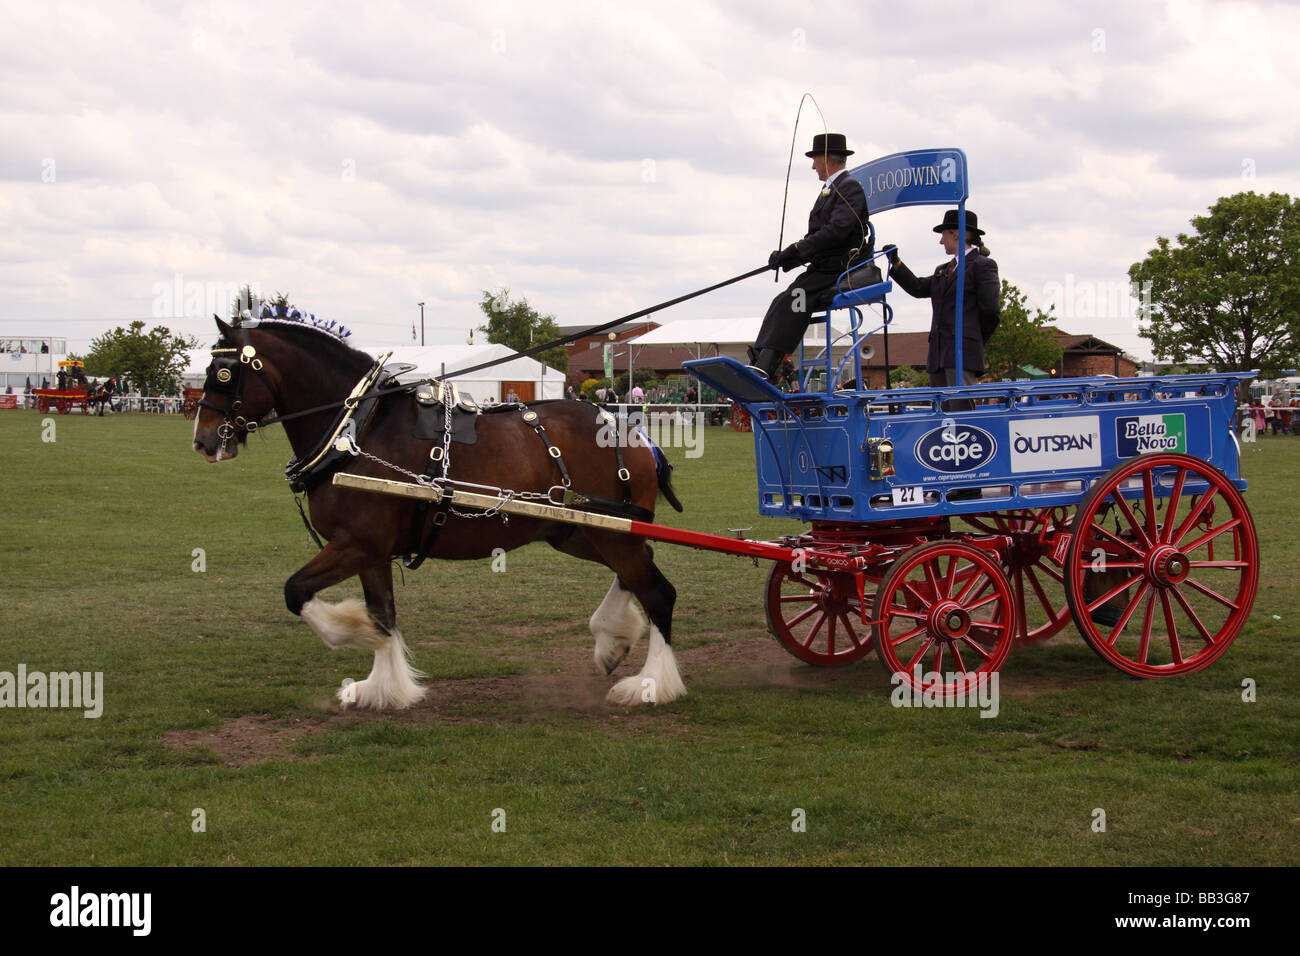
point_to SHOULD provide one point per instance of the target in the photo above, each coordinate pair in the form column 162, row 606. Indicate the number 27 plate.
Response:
column 913, row 495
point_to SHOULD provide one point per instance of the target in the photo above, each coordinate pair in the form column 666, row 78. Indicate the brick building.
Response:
column 1081, row 356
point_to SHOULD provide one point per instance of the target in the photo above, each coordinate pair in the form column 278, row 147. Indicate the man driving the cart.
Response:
column 837, row 239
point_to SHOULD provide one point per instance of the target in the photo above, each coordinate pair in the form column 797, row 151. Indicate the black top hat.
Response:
column 950, row 222
column 829, row 144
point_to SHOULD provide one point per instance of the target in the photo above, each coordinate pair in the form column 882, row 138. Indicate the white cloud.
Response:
column 595, row 158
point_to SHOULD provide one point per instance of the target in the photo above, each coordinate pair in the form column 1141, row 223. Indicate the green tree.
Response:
column 152, row 360
column 1229, row 295
column 518, row 325
column 905, row 376
column 1021, row 339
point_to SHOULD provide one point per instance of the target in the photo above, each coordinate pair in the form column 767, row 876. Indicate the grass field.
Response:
column 216, row 698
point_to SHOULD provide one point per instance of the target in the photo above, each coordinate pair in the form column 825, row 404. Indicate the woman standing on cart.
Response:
column 981, row 304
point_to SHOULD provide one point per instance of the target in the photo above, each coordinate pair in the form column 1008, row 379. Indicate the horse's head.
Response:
column 236, row 395
column 284, row 360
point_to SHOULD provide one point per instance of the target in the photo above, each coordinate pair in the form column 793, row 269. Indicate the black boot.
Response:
column 768, row 361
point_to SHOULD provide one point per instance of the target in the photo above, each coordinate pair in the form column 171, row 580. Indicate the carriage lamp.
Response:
column 880, row 453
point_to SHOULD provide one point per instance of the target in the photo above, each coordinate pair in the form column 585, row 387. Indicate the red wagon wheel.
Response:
column 1039, row 585
column 945, row 612
column 1165, row 542
column 740, row 420
column 816, row 615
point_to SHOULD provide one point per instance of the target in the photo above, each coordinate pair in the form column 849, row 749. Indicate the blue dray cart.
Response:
column 993, row 514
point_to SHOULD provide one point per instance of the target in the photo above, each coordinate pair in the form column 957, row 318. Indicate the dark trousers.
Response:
column 790, row 312
column 948, row 376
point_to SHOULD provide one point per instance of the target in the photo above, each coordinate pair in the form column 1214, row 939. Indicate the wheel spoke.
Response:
column 1131, row 518
column 1023, row 616
column 964, row 594
column 1145, row 642
column 961, row 665
column 1210, row 536
column 903, row 639
column 1128, row 612
column 830, row 636
column 790, row 598
column 952, row 567
column 1102, row 530
column 916, row 658
column 812, row 635
column 1149, row 499
column 1169, row 625
column 1172, row 506
column 979, row 604
column 903, row 612
column 976, row 648
column 1098, row 602
column 932, row 580
column 1196, row 621
column 853, row 635
column 1041, row 594
column 1194, row 515
column 910, row 588
column 1051, row 572
column 1212, row 594
column 937, row 666
column 800, row 618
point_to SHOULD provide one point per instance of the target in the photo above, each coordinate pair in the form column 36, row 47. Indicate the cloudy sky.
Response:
column 597, row 157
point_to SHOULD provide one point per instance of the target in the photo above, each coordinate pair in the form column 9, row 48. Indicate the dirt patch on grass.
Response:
column 245, row 740
column 572, row 689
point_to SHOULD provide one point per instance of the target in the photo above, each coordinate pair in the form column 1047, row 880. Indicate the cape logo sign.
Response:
column 1048, row 444
column 955, row 448
column 1146, row 433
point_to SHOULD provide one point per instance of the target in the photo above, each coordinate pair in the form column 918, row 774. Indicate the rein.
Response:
column 226, row 374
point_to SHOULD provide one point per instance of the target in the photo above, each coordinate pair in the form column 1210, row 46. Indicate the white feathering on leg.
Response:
column 346, row 624
column 392, row 683
column 658, row 683
column 615, row 624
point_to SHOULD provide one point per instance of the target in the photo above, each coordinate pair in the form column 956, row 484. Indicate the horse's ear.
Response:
column 226, row 331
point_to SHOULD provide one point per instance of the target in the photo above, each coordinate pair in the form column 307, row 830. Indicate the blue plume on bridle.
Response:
column 278, row 313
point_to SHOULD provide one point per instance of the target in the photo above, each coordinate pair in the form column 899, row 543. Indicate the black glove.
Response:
column 891, row 253
column 774, row 260
column 791, row 257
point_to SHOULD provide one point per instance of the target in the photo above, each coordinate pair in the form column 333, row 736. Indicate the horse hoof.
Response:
column 613, row 665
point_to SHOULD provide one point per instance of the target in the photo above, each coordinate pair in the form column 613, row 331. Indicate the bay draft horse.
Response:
column 295, row 367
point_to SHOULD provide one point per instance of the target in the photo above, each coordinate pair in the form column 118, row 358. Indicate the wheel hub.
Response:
column 1168, row 566
column 948, row 620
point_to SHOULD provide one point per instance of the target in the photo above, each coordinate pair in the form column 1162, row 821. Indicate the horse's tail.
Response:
column 664, row 471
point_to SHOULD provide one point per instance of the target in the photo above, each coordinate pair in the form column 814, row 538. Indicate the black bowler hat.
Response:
column 950, row 222
column 829, row 144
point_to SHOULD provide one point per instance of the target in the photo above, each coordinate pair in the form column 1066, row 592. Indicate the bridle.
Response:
column 225, row 376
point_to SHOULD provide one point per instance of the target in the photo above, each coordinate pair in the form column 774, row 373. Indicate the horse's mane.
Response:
column 295, row 321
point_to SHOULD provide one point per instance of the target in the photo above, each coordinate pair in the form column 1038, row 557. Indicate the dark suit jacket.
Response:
column 837, row 225
column 981, row 309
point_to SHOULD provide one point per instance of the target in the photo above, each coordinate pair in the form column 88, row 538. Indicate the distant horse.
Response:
column 305, row 373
